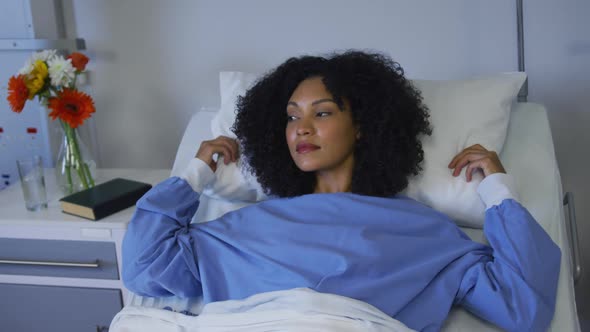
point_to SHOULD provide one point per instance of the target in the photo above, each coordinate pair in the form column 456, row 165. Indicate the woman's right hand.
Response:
column 222, row 145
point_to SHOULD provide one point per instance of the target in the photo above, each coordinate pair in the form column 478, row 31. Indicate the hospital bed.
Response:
column 528, row 154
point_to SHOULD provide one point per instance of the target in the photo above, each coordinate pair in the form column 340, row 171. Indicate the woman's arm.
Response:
column 158, row 256
column 516, row 287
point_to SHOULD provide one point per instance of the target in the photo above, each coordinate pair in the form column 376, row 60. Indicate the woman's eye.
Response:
column 323, row 114
column 291, row 118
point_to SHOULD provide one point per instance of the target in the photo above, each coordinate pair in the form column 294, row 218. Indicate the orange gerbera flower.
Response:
column 71, row 106
column 17, row 93
column 79, row 60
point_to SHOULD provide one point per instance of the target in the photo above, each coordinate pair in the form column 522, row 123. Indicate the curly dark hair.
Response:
column 384, row 104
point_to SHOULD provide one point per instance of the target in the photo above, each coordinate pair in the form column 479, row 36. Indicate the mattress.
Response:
column 529, row 142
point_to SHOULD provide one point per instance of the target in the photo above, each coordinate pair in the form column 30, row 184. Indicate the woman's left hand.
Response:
column 476, row 157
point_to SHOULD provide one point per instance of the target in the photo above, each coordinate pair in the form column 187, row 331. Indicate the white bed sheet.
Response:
column 299, row 309
column 528, row 155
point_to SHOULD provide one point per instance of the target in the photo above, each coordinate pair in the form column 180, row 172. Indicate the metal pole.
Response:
column 524, row 91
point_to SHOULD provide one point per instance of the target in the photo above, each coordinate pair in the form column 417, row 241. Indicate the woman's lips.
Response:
column 306, row 147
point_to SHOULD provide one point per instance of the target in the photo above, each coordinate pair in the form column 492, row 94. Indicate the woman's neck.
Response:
column 334, row 181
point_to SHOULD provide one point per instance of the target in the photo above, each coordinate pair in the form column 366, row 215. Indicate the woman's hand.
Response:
column 476, row 157
column 225, row 146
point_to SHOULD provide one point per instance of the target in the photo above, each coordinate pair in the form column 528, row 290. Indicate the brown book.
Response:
column 104, row 199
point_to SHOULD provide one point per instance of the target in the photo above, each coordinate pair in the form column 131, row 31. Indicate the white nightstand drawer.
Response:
column 58, row 258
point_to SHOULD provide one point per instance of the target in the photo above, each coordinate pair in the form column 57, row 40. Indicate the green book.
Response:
column 104, row 199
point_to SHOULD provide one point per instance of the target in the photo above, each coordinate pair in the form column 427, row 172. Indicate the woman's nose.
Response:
column 304, row 127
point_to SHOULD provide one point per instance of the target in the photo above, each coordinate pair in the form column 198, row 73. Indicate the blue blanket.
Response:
column 406, row 259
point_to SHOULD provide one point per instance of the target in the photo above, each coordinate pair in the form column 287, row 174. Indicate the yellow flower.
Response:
column 36, row 78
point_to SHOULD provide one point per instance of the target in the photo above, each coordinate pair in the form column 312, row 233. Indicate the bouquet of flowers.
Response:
column 51, row 78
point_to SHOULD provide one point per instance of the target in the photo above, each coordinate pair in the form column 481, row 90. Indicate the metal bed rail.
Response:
column 568, row 200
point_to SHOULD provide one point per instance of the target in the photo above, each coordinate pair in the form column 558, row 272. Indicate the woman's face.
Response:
column 320, row 135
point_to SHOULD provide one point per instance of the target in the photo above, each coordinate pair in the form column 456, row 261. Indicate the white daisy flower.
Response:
column 61, row 71
column 45, row 55
column 26, row 70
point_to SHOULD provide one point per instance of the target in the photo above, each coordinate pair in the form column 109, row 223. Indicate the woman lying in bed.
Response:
column 333, row 141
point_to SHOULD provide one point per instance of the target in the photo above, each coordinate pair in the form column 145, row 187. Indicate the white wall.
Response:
column 156, row 62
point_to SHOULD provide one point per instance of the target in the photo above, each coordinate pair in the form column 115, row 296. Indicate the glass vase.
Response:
column 75, row 167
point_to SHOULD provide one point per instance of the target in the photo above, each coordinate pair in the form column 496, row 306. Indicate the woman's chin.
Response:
column 307, row 167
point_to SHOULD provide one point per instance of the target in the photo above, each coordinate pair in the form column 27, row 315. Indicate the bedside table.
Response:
column 59, row 272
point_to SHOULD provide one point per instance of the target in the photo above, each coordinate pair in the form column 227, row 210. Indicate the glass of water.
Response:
column 32, row 181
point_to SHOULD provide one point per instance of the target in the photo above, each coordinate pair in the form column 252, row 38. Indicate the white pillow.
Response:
column 232, row 181
column 231, row 85
column 463, row 113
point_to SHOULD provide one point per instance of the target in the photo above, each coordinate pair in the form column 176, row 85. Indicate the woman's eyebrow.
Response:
column 319, row 101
